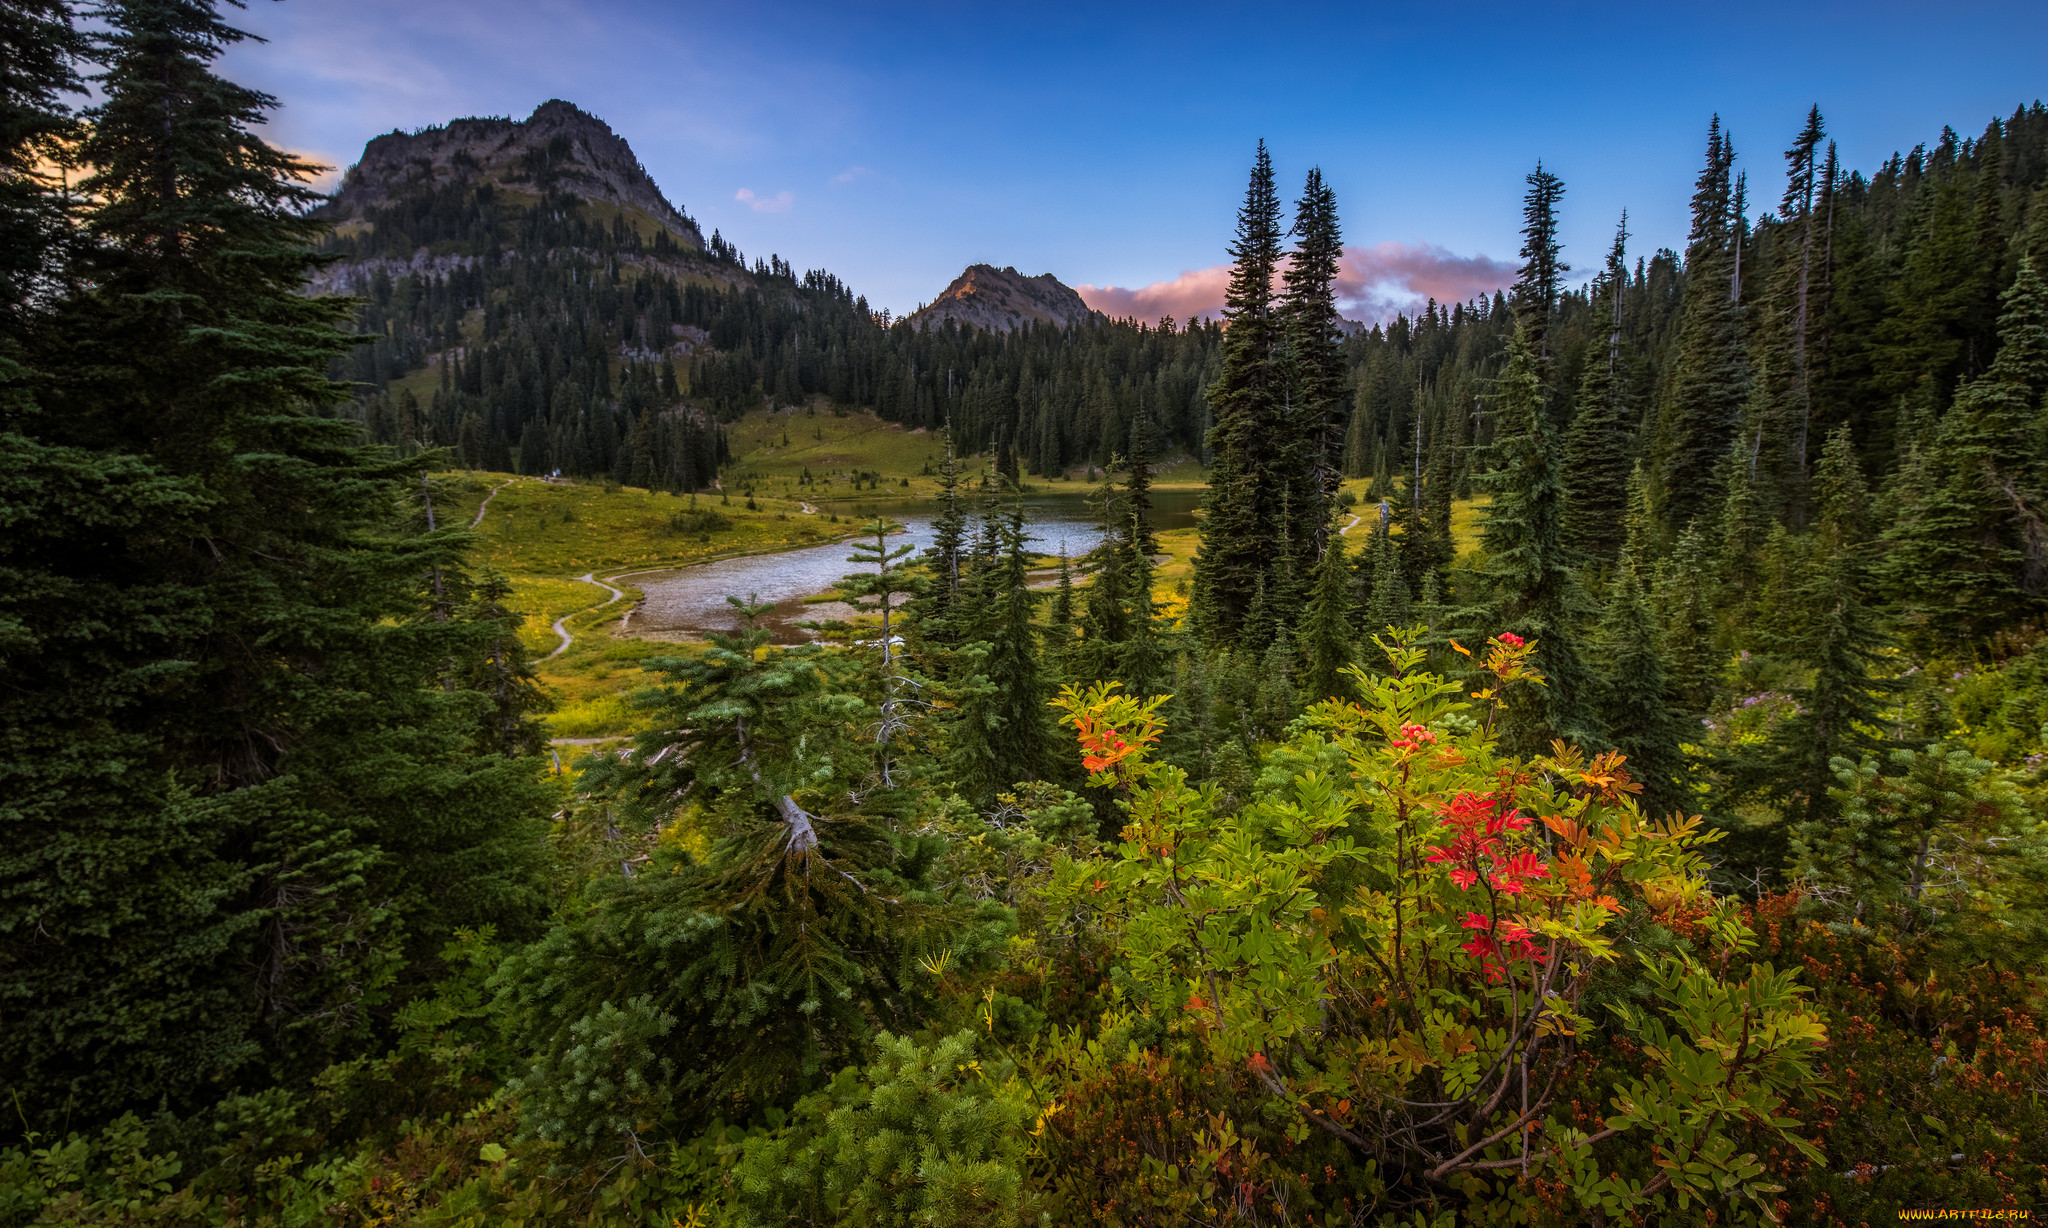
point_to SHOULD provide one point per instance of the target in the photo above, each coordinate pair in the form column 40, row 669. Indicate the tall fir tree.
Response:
column 1598, row 448
column 1967, row 552
column 1537, row 287
column 1312, row 445
column 1841, row 639
column 1004, row 732
column 1233, row 564
column 1530, row 573
column 1710, row 377
column 247, row 811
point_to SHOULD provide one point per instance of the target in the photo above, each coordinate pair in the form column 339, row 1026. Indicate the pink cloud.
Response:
column 1373, row 284
column 1376, row 283
column 1196, row 292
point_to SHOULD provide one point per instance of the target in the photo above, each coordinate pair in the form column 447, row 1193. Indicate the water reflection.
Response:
column 683, row 603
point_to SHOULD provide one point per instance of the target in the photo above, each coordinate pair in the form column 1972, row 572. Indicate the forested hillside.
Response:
column 1668, row 849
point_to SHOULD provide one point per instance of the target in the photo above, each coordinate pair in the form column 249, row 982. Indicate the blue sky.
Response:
column 1108, row 144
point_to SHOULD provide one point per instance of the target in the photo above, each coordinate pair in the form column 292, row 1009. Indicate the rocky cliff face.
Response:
column 1003, row 299
column 558, row 148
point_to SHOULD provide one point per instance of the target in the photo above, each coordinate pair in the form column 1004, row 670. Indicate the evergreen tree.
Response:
column 1687, row 598
column 1967, row 553
column 1710, row 377
column 1387, row 601
column 884, row 592
column 1530, row 572
column 1234, row 562
column 1005, row 733
column 1311, row 449
column 1636, row 702
column 248, row 809
column 1542, row 277
column 1138, row 486
column 1597, row 450
column 1326, row 630
column 945, row 556
column 738, row 979
column 1842, row 641
column 38, row 51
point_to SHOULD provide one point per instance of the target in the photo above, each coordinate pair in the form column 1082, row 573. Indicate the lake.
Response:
column 685, row 602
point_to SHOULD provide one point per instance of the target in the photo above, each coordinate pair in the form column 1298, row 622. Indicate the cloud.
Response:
column 1373, row 284
column 1194, row 293
column 852, row 173
column 1378, row 282
column 778, row 203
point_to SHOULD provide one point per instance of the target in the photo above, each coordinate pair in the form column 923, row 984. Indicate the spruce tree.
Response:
column 1326, row 631
column 1687, row 597
column 39, row 48
column 1636, row 702
column 884, row 591
column 1842, row 641
column 735, row 979
column 1004, row 732
column 1387, row 601
column 253, row 798
column 1531, row 575
column 1541, row 279
column 1710, row 378
column 1311, row 449
column 1965, row 553
column 1597, row 449
column 1234, row 562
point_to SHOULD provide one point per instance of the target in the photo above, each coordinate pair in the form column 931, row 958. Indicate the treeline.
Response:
column 561, row 344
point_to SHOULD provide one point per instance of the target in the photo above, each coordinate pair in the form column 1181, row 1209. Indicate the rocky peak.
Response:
column 1000, row 300
column 559, row 148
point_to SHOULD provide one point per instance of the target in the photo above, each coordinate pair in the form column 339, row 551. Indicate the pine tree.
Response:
column 38, row 51
column 1326, row 631
column 1710, row 378
column 1636, row 703
column 1542, row 277
column 1234, row 562
column 741, row 977
column 1004, row 733
column 1530, row 572
column 1966, row 553
column 1597, row 450
column 251, row 806
column 1387, row 603
column 1311, row 451
column 884, row 591
column 1842, row 640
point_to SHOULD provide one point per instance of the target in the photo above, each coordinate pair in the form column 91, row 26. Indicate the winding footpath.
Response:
column 486, row 503
column 567, row 639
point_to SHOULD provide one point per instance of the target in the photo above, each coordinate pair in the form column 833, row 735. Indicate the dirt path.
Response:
column 1347, row 528
column 486, row 503
column 567, row 639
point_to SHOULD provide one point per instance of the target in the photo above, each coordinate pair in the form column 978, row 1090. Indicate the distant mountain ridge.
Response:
column 1000, row 300
column 559, row 148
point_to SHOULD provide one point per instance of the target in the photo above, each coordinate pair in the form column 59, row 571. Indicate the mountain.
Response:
column 1000, row 300
column 558, row 150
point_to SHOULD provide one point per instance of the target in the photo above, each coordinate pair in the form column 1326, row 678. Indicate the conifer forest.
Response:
column 1588, row 766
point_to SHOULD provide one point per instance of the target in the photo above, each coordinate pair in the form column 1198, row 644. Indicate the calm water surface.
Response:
column 685, row 602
